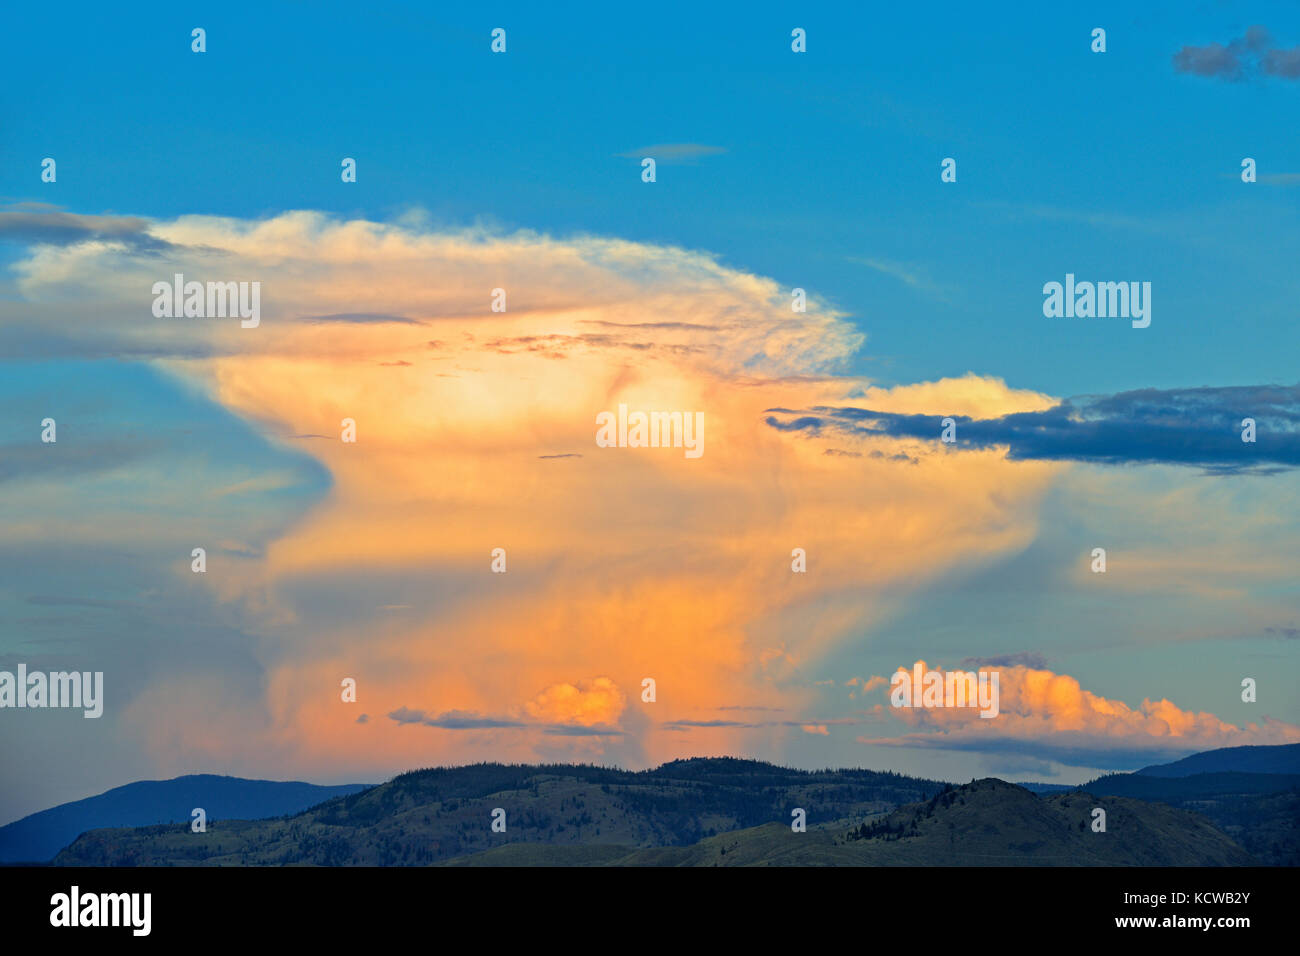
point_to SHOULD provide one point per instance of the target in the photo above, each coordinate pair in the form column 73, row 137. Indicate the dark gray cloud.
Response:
column 452, row 720
column 1030, row 659
column 684, row 326
column 41, row 224
column 405, row 715
column 692, row 724
column 467, row 720
column 776, row 710
column 1198, row 427
column 575, row 730
column 1283, row 63
column 1245, row 56
column 463, row 720
column 362, row 318
column 682, row 725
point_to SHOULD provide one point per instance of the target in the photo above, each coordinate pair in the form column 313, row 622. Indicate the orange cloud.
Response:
column 1056, row 711
column 621, row 562
column 591, row 703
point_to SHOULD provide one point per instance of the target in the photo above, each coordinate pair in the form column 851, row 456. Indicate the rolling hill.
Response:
column 38, row 837
column 429, row 816
column 985, row 823
column 1261, row 811
column 703, row 812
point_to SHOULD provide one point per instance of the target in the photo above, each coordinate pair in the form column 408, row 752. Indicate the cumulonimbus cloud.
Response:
column 622, row 563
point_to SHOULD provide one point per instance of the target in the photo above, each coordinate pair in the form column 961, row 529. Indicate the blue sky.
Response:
column 1110, row 165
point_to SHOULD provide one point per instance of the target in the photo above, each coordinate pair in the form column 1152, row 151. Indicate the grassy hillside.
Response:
column 1260, row 811
column 689, row 813
column 994, row 823
column 986, row 823
column 428, row 816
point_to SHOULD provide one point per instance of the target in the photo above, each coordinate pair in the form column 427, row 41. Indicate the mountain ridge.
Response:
column 709, row 811
column 1277, row 759
column 38, row 837
column 988, row 822
column 439, row 815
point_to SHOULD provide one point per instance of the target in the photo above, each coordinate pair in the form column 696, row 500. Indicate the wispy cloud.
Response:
column 468, row 720
column 1097, row 219
column 911, row 274
column 673, row 152
column 452, row 720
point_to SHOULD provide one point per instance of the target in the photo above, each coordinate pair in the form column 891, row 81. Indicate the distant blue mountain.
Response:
column 1283, row 759
column 38, row 837
column 1178, row 790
